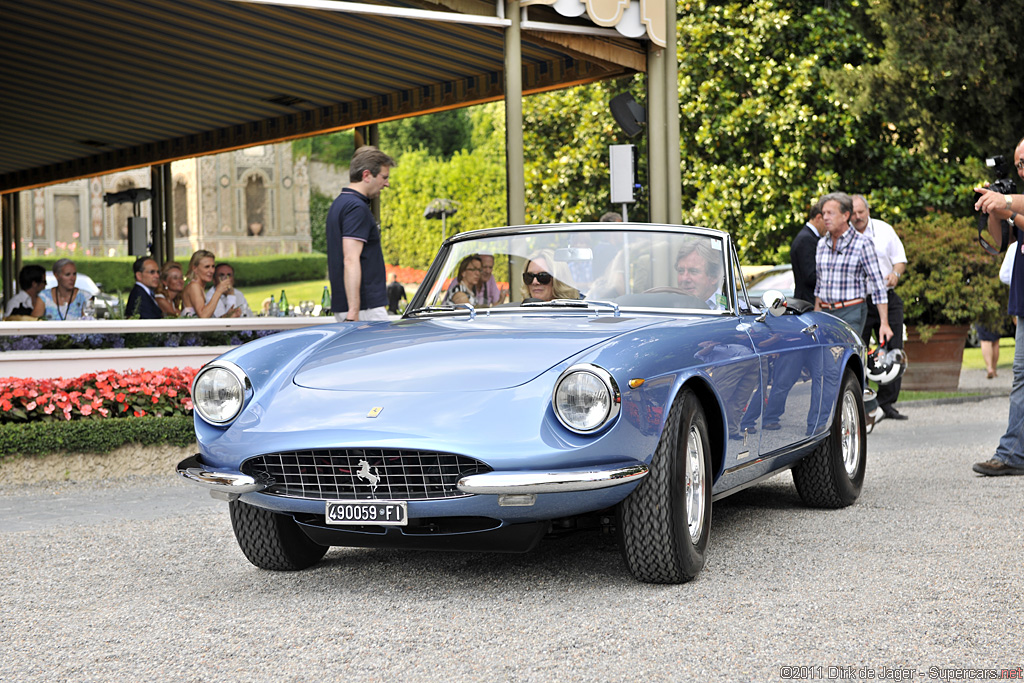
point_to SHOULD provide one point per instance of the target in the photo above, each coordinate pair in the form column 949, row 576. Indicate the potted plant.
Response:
column 950, row 283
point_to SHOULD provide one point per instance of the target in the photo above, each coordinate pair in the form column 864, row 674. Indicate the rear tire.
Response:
column 665, row 524
column 832, row 476
column 271, row 540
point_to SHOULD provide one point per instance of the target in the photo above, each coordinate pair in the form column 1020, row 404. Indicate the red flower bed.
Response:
column 406, row 275
column 97, row 395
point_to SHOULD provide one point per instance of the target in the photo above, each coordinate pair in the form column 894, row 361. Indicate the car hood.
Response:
column 455, row 354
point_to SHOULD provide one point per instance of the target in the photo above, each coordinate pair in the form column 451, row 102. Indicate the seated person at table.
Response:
column 168, row 293
column 65, row 301
column 467, row 287
column 141, row 301
column 200, row 273
column 27, row 302
column 232, row 303
column 540, row 282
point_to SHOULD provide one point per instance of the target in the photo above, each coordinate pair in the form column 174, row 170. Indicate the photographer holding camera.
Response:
column 1009, row 455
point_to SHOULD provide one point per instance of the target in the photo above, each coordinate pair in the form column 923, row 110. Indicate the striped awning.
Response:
column 90, row 86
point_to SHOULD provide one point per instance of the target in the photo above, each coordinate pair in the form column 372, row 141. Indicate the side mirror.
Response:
column 774, row 302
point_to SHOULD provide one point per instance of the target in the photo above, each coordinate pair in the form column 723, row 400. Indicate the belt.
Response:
column 841, row 304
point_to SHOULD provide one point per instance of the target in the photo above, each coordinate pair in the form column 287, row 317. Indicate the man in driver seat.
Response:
column 699, row 272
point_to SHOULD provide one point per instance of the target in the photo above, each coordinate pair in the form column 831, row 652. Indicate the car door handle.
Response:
column 810, row 329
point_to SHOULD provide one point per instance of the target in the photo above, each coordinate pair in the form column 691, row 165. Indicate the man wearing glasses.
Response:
column 141, row 303
column 232, row 303
column 1009, row 455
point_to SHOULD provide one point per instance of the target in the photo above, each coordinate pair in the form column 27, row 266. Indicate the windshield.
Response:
column 636, row 268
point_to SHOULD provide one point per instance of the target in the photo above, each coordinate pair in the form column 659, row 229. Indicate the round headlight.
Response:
column 586, row 398
column 218, row 392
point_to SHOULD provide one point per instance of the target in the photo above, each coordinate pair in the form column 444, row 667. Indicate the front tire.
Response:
column 665, row 524
column 833, row 475
column 271, row 540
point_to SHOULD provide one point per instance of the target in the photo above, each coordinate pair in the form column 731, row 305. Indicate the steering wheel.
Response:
column 665, row 290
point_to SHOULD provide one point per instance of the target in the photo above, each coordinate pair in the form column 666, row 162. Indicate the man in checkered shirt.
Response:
column 847, row 269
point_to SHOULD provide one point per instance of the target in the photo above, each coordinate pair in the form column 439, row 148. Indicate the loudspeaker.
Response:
column 138, row 242
column 630, row 116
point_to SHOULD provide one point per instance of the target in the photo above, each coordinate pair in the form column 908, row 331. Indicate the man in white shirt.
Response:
column 892, row 262
column 232, row 304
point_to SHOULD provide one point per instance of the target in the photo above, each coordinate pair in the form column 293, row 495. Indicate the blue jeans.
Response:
column 855, row 315
column 1011, row 446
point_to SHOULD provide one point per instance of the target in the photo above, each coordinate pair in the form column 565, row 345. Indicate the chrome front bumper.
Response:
column 229, row 485
column 225, row 485
column 551, row 482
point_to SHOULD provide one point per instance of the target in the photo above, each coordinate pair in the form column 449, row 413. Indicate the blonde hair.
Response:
column 559, row 271
column 173, row 297
column 193, row 262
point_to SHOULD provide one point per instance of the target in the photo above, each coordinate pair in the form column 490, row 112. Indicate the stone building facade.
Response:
column 245, row 202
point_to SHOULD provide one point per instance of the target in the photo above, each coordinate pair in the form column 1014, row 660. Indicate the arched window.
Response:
column 255, row 205
column 181, row 208
column 123, row 211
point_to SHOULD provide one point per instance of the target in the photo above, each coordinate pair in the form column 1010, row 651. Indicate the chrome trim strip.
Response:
column 192, row 469
column 551, row 482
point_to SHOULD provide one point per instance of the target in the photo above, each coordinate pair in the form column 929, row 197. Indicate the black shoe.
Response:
column 996, row 468
column 892, row 414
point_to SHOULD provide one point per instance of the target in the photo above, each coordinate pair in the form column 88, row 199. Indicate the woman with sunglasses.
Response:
column 540, row 282
column 468, row 287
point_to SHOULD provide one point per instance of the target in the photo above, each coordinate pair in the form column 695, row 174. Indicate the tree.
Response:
column 946, row 70
column 764, row 133
column 566, row 137
column 441, row 134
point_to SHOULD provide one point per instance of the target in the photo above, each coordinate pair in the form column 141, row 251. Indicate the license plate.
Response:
column 381, row 512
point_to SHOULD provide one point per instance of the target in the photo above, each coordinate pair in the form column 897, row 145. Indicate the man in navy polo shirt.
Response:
column 355, row 261
column 1009, row 455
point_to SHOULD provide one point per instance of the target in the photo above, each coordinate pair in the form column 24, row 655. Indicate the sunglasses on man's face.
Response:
column 542, row 277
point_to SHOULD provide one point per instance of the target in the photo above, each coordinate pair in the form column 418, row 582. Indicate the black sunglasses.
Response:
column 542, row 277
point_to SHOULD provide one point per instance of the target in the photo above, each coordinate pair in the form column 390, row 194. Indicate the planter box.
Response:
column 935, row 365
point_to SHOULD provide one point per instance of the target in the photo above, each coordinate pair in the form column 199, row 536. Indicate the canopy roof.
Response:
column 91, row 86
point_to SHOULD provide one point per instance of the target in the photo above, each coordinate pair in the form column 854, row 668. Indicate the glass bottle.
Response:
column 284, row 304
column 272, row 308
column 325, row 302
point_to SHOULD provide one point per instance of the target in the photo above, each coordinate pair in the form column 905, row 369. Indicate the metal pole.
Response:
column 516, row 168
column 673, row 161
column 657, row 139
column 7, row 218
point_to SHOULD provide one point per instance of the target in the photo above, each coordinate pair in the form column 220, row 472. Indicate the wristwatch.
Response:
column 1013, row 217
column 1009, row 202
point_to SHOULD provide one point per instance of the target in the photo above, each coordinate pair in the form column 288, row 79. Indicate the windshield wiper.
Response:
column 430, row 309
column 447, row 308
column 575, row 303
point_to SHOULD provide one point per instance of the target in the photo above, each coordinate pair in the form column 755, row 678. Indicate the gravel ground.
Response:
column 922, row 572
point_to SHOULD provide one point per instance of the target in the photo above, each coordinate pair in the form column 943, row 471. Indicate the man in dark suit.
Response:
column 147, row 278
column 801, row 254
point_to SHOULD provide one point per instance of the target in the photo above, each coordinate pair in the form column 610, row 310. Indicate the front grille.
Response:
column 347, row 473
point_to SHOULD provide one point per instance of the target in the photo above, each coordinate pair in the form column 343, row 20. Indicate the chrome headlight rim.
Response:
column 605, row 377
column 243, row 382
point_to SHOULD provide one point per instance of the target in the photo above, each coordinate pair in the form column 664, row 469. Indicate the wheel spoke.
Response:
column 850, row 435
column 695, row 484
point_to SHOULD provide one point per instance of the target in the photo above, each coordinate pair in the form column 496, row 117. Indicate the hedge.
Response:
column 93, row 436
column 114, row 273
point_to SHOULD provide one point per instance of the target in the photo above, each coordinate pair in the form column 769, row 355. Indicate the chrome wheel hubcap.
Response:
column 849, row 434
column 695, row 484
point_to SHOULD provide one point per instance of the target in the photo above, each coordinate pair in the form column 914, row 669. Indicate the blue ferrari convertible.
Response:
column 543, row 379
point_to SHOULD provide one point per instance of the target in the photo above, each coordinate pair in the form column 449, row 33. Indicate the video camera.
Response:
column 1004, row 184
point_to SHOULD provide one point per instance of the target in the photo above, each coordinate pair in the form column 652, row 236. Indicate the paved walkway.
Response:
column 975, row 381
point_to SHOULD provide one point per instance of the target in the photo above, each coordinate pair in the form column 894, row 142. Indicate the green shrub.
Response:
column 950, row 280
column 114, row 274
column 93, row 436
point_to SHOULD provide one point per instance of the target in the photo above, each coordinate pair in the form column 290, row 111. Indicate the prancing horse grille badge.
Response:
column 374, row 412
